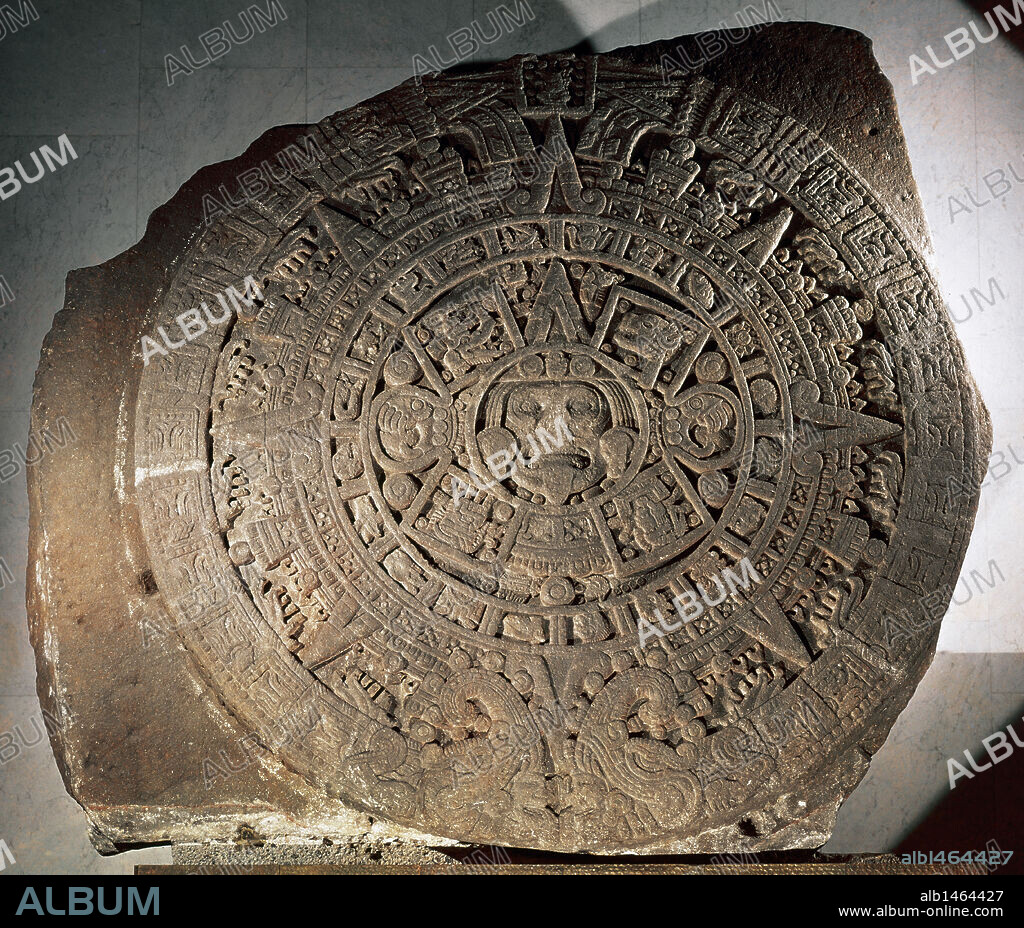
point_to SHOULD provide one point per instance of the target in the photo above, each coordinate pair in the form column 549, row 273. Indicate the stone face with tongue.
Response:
column 582, row 502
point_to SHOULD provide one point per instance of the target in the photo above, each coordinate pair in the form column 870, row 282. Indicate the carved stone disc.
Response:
column 571, row 457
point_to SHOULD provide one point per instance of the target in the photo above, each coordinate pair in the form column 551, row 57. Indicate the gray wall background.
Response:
column 95, row 70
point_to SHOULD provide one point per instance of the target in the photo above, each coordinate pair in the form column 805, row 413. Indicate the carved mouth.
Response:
column 578, row 460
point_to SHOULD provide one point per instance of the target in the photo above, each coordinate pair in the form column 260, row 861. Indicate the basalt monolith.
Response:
column 558, row 456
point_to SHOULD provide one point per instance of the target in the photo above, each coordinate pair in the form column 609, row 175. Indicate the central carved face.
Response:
column 542, row 417
column 558, row 439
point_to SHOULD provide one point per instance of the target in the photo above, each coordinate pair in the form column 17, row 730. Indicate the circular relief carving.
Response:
column 575, row 504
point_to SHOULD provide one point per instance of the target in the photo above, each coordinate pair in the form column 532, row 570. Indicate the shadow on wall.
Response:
column 986, row 19
column 516, row 27
column 554, row 28
column 985, row 806
column 550, row 27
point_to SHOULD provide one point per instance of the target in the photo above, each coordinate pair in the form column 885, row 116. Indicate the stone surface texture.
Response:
column 271, row 592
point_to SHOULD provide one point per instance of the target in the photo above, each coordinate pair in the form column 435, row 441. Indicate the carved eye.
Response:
column 526, row 406
column 585, row 407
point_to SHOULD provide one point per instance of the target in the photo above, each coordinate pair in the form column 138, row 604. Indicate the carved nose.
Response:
column 551, row 418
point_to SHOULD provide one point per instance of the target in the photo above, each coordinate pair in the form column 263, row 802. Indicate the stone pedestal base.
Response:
column 394, row 859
